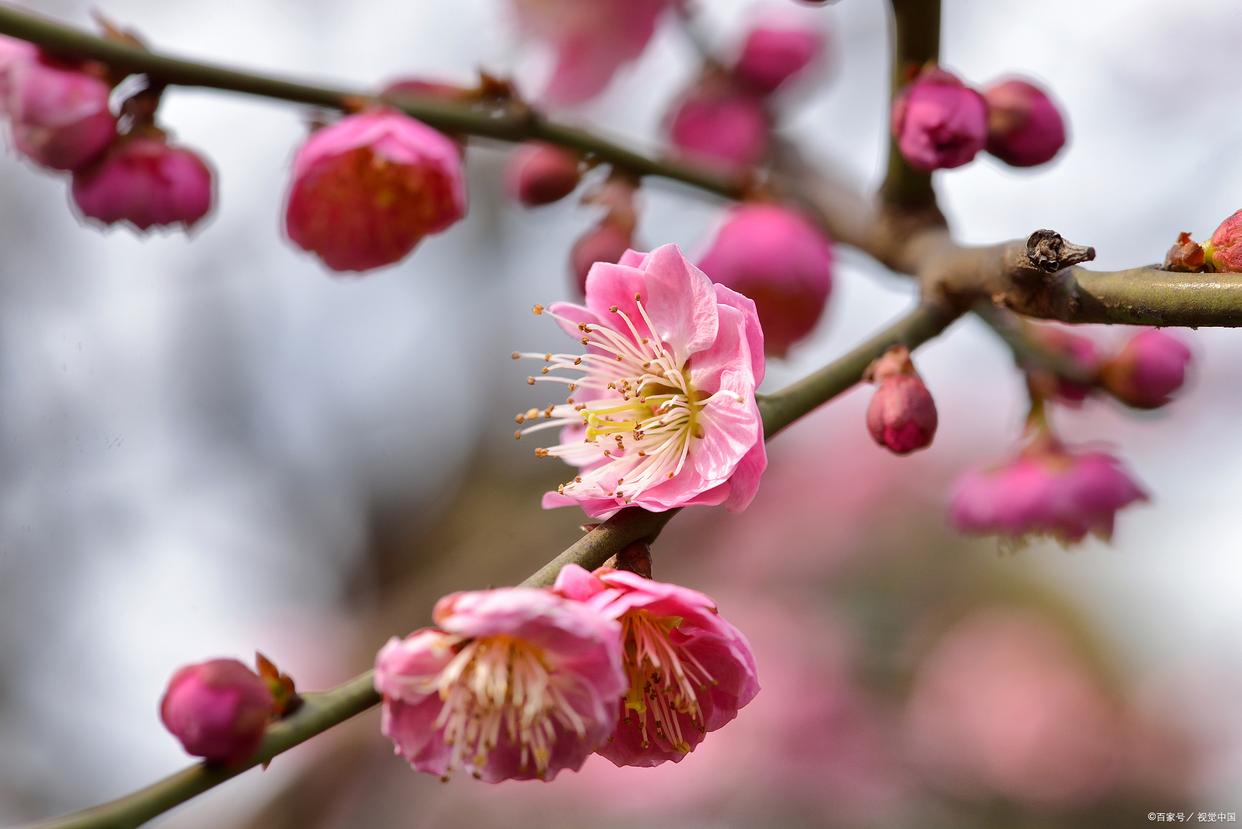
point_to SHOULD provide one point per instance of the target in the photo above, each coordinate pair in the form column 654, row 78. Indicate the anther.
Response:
column 516, row 356
column 544, row 370
column 612, row 308
column 530, row 381
column 537, row 310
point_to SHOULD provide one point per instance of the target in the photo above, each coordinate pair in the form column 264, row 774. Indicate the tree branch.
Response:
column 916, row 42
column 323, row 710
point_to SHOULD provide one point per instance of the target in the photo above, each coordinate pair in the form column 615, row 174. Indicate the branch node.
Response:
column 1049, row 252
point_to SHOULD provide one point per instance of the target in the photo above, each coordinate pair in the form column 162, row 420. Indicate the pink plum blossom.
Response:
column 1003, row 705
column 719, row 124
column 663, row 415
column 1048, row 488
column 1148, row 370
column 939, row 122
column 539, row 173
column 512, row 684
column 592, row 39
column 58, row 112
column 1224, row 249
column 146, row 182
column 1025, row 127
column 368, row 188
column 217, row 709
column 780, row 260
column 689, row 670
column 771, row 55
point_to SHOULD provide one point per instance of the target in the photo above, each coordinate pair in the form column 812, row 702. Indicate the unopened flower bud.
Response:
column 1224, row 250
column 772, row 55
column 146, row 182
column 780, row 260
column 1077, row 352
column 1148, row 370
column 1186, row 255
column 939, row 122
column 1025, row 127
column 719, row 124
column 902, row 415
column 217, row 709
column 606, row 242
column 541, row 173
column 59, row 113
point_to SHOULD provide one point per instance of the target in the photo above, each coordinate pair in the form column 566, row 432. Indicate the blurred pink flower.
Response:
column 12, row 52
column 771, row 55
column 514, row 683
column 539, row 173
column 780, row 260
column 58, row 113
column 1080, row 352
column 1148, row 370
column 592, row 40
column 1003, row 705
column 144, row 181
column 605, row 242
column 368, row 188
column 1025, row 127
column 689, row 670
column 1048, row 488
column 719, row 124
column 664, row 414
column 939, row 122
column 218, row 709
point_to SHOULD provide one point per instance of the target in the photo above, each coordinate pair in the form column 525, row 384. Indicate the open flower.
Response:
column 689, row 670
column 515, row 683
column 663, row 414
column 592, row 40
column 1048, row 489
column 368, row 188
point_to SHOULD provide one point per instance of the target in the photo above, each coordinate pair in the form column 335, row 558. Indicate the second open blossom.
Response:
column 661, row 409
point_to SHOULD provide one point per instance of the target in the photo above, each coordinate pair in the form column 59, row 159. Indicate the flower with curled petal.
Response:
column 689, row 670
column 514, row 683
column 661, row 412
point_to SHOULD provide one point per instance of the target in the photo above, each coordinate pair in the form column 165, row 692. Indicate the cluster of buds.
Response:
column 523, row 683
column 723, row 119
column 940, row 123
column 1050, row 488
column 59, row 118
column 1222, row 253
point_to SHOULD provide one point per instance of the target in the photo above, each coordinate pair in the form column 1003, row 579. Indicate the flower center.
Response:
column 641, row 418
column 664, row 679
column 498, row 685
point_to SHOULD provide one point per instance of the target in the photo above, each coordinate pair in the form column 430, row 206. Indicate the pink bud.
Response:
column 60, row 117
column 781, row 261
column 1224, row 249
column 12, row 53
column 541, row 173
column 716, row 123
column 939, row 123
column 1025, row 127
column 771, row 56
column 144, row 181
column 605, row 242
column 1149, row 369
column 217, row 709
column 902, row 415
column 368, row 188
column 1077, row 351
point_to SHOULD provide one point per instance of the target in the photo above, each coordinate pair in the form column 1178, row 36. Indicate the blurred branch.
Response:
column 916, row 42
column 323, row 710
column 510, row 121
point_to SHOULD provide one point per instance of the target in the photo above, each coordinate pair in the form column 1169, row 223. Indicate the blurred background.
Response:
column 210, row 446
